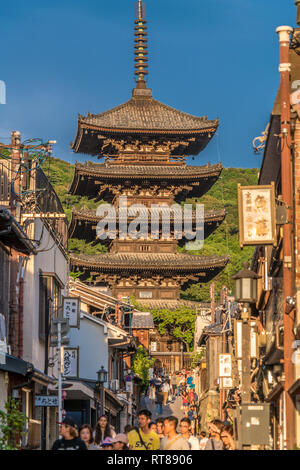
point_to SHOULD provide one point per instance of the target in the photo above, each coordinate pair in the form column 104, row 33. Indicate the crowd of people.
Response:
column 161, row 434
column 164, row 389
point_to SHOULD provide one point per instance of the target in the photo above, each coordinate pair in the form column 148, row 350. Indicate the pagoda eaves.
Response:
column 89, row 178
column 83, row 223
column 143, row 116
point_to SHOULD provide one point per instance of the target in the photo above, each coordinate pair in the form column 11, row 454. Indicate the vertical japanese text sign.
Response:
column 71, row 311
column 257, row 215
column 71, row 362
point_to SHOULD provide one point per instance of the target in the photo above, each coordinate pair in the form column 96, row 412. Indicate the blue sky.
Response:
column 207, row 57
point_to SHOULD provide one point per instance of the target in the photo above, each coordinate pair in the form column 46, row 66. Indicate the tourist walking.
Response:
column 174, row 385
column 86, row 435
column 107, row 444
column 214, row 442
column 178, row 378
column 227, row 438
column 153, row 426
column 70, row 439
column 120, row 442
column 203, row 440
column 160, row 422
column 172, row 440
column 103, row 430
column 159, row 402
column 185, row 403
column 152, row 393
column 165, row 389
column 186, row 432
column 142, row 438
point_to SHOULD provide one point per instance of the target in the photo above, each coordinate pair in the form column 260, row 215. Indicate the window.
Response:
column 50, row 300
column 4, row 180
column 4, row 282
column 145, row 248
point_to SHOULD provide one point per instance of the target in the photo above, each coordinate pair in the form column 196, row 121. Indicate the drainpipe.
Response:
column 21, row 304
column 284, row 33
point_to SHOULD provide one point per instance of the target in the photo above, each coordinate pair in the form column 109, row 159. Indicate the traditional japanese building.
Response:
column 145, row 144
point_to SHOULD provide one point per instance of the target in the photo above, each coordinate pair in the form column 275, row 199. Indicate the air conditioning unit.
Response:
column 114, row 385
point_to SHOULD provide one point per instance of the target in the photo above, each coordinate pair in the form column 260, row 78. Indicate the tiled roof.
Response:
column 171, row 304
column 135, row 171
column 162, row 261
column 91, row 216
column 146, row 113
column 142, row 320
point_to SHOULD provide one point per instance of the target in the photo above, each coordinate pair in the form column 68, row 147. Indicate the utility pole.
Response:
column 59, row 331
column 246, row 365
column 59, row 372
column 284, row 33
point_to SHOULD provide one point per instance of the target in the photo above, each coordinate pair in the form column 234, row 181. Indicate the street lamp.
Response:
column 246, row 285
column 101, row 379
column 102, row 376
column 246, row 294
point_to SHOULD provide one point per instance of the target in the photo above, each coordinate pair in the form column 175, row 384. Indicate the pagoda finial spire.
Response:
column 141, row 45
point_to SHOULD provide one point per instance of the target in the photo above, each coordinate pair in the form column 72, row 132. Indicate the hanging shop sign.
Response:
column 225, row 366
column 46, row 400
column 71, row 311
column 71, row 362
column 226, row 382
column 257, row 215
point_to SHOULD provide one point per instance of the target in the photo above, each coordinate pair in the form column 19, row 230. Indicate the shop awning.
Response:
column 15, row 365
column 112, row 403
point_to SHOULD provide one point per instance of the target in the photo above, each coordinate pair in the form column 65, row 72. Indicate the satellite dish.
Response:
column 2, row 328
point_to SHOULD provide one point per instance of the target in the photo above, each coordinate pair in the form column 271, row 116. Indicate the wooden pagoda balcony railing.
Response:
column 150, row 159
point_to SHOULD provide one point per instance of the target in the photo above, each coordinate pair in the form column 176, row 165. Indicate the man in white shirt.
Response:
column 172, row 440
column 185, row 430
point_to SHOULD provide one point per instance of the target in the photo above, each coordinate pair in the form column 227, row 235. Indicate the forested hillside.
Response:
column 223, row 241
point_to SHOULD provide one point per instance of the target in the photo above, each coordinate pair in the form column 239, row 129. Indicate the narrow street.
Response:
column 171, row 409
column 150, row 246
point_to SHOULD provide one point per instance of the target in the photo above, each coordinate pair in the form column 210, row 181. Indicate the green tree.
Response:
column 179, row 323
column 141, row 365
column 81, row 246
column 12, row 423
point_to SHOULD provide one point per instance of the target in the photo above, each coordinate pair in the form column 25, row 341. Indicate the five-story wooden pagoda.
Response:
column 144, row 143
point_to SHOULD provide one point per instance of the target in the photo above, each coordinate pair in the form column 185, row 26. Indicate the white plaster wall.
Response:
column 93, row 347
column 52, row 261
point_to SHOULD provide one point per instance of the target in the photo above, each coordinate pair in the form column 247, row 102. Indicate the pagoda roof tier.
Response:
column 89, row 176
column 202, row 267
column 212, row 219
column 145, row 116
